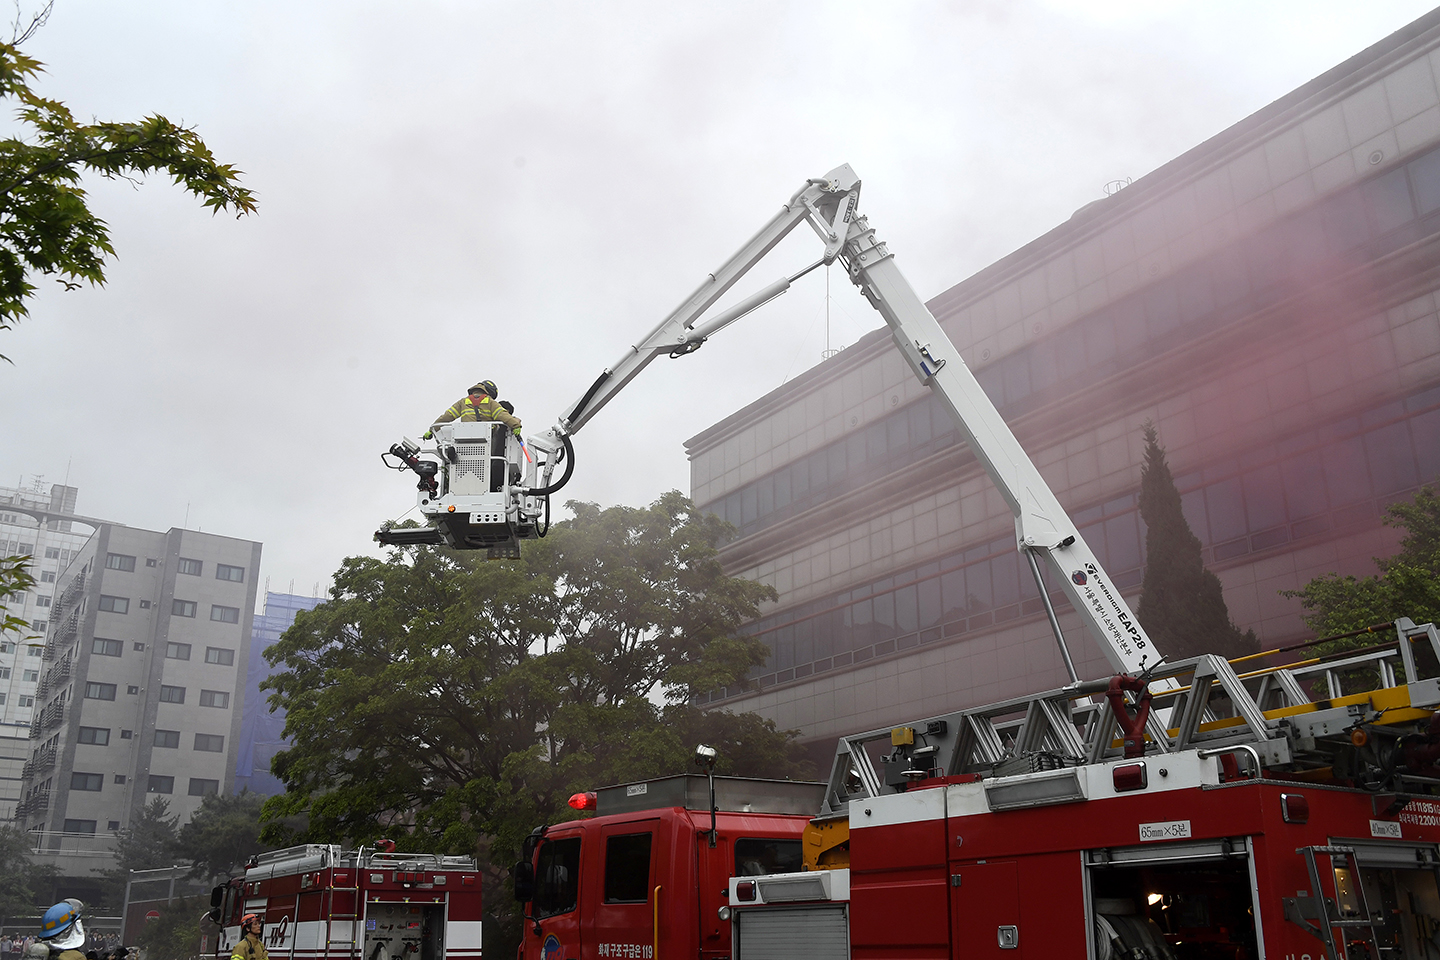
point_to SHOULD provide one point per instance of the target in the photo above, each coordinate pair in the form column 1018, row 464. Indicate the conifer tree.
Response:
column 1181, row 604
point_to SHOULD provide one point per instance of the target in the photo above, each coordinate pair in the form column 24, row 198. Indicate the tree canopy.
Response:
column 21, row 880
column 1182, row 606
column 46, row 225
column 221, row 835
column 1408, row 584
column 437, row 698
column 146, row 843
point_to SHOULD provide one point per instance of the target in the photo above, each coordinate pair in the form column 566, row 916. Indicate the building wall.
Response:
column 1268, row 300
column 51, row 544
column 144, row 676
column 262, row 730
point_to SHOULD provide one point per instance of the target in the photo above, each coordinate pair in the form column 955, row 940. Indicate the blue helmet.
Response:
column 60, row 926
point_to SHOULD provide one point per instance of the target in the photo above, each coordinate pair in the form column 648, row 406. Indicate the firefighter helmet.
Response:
column 245, row 920
column 60, row 926
column 486, row 386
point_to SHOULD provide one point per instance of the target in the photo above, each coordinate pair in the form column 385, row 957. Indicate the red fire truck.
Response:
column 645, row 877
column 1032, row 828
column 320, row 902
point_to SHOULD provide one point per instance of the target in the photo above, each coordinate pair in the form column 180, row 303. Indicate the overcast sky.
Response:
column 452, row 191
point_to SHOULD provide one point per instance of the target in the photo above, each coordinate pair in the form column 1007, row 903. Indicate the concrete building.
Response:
column 28, row 527
column 1268, row 299
column 144, row 672
column 262, row 731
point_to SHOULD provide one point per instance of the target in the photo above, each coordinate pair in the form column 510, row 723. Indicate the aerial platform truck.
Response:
column 1184, row 809
column 323, row 902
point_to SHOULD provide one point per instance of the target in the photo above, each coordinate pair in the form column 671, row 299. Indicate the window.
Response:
column 203, row 788
column 35, row 652
column 149, row 561
column 138, row 647
column 209, row 743
column 80, row 826
column 106, row 648
column 115, row 604
column 2, row 699
column 224, row 614
column 28, row 701
column 144, row 604
column 119, row 778
column 169, row 739
column 190, row 567
column 4, row 673
column 221, row 655
column 172, row 694
column 7, row 647
column 177, row 651
column 47, row 576
column 627, row 868
column 214, row 698
column 160, row 784
column 132, row 689
column 87, row 781
column 758, row 857
column 41, row 600
column 113, row 825
column 224, row 571
column 52, row 553
column 99, row 736
column 119, row 561
column 126, row 734
column 183, row 608
column 557, row 877
column 30, row 676
column 100, row 691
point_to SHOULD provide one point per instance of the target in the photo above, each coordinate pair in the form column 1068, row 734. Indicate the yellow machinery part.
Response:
column 827, row 843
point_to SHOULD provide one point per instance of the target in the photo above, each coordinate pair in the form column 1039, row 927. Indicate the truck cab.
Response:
column 646, row 876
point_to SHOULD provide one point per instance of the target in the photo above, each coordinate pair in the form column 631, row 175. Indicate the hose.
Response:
column 539, row 530
column 585, row 400
column 564, row 479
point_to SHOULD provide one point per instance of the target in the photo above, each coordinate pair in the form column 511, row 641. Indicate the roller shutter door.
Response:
column 818, row 932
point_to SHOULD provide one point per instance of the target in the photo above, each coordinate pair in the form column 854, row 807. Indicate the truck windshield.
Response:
column 557, row 877
column 756, row 857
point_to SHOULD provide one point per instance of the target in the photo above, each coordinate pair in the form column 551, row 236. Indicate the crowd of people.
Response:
column 97, row 946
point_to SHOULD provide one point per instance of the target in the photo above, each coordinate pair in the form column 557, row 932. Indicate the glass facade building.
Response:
column 1268, row 300
column 262, row 730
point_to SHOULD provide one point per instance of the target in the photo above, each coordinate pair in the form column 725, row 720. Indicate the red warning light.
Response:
column 583, row 801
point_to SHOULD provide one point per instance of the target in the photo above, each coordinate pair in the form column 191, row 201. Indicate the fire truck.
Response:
column 1258, row 820
column 646, row 876
column 321, row 902
column 1195, row 809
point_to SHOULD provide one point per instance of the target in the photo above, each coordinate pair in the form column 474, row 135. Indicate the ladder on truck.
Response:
column 351, row 949
column 1263, row 717
column 1346, row 912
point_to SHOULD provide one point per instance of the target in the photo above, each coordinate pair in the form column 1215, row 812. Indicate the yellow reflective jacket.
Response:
column 249, row 947
column 467, row 410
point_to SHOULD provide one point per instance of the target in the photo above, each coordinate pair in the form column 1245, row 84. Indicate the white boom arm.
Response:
column 1042, row 526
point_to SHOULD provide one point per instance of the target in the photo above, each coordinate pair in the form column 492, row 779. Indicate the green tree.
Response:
column 147, row 843
column 1182, row 606
column 176, row 934
column 222, row 835
column 453, row 704
column 1408, row 584
column 22, row 881
column 46, row 225
column 15, row 579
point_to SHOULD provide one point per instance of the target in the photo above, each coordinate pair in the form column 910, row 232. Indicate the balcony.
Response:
column 36, row 803
column 54, row 677
column 38, row 764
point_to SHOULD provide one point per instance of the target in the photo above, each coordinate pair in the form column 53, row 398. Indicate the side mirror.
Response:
column 524, row 874
column 217, row 897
